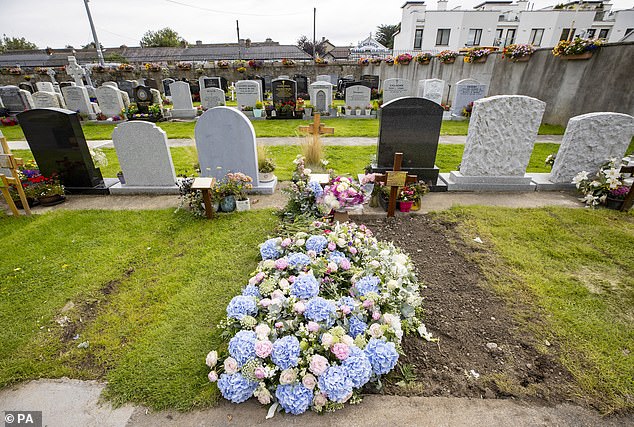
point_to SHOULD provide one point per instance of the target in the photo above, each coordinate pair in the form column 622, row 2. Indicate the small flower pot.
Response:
column 53, row 200
column 266, row 177
column 368, row 111
column 416, row 205
column 257, row 113
column 404, row 62
column 615, row 204
column 405, row 206
column 228, row 204
column 243, row 205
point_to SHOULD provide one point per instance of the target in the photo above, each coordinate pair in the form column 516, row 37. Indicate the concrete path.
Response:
column 67, row 402
column 446, row 139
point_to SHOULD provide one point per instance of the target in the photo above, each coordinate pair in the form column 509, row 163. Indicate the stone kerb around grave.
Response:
column 225, row 141
column 502, row 133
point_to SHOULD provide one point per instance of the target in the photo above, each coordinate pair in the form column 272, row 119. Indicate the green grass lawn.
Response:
column 147, row 285
column 272, row 128
column 343, row 159
column 573, row 269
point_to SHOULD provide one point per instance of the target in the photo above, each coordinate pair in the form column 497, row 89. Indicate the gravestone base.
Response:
column 97, row 190
column 265, row 187
column 429, row 175
column 184, row 113
column 128, row 190
column 543, row 183
column 459, row 182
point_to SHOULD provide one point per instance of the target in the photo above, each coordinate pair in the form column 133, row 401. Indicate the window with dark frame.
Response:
column 442, row 37
column 418, row 39
column 603, row 34
column 475, row 35
column 536, row 36
column 591, row 33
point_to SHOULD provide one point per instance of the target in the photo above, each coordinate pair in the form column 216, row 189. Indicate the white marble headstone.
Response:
column 45, row 86
column 28, row 99
column 466, row 92
column 248, row 93
column 589, row 141
column 321, row 95
column 76, row 98
column 156, row 97
column 113, row 84
column 431, row 89
column 110, row 100
column 43, row 99
column 358, row 96
column 75, row 70
column 212, row 97
column 395, row 88
column 182, row 100
column 323, row 78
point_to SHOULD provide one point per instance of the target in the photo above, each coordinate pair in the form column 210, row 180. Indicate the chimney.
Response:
column 441, row 5
column 199, row 42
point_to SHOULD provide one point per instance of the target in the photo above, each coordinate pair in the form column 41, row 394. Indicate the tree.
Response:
column 307, row 46
column 165, row 37
column 385, row 34
column 91, row 45
column 14, row 43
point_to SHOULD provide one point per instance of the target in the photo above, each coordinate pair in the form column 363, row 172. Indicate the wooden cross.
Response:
column 8, row 161
column 316, row 128
column 395, row 179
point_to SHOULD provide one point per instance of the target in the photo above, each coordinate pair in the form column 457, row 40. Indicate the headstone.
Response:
column 113, row 84
column 466, row 92
column 156, row 97
column 395, row 88
column 212, row 97
column 91, row 92
column 224, row 84
column 410, row 126
column 359, row 96
column 589, row 141
column 28, row 98
column 225, row 141
column 302, row 83
column 145, row 159
column 166, row 86
column 62, row 85
column 76, row 98
column 110, row 100
column 323, row 78
column 59, row 148
column 205, row 82
column 153, row 84
column 75, row 70
column 284, row 90
column 43, row 99
column 14, row 99
column 128, row 87
column 126, row 98
column 51, row 73
column 247, row 93
column 431, row 89
column 144, row 98
column 27, row 87
column 502, row 133
column 372, row 79
column 60, row 99
column 45, row 86
column 267, row 83
column 182, row 100
column 321, row 96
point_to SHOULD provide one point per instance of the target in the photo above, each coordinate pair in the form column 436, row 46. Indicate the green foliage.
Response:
column 15, row 43
column 385, row 34
column 165, row 37
column 91, row 45
column 306, row 45
column 115, row 57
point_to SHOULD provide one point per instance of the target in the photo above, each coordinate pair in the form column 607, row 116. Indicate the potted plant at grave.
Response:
column 234, row 188
column 332, row 110
column 308, row 108
column 342, row 195
column 420, row 189
column 256, row 64
column 476, row 55
column 185, row 66
column 368, row 109
column 357, row 110
column 466, row 111
column 363, row 62
column 266, row 165
column 257, row 111
column 616, row 197
column 424, row 58
column 403, row 59
column 321, row 62
column 518, row 52
column 51, row 192
column 406, row 198
column 288, row 62
column 348, row 110
column 550, row 160
column 577, row 49
column 447, row 56
column 598, row 188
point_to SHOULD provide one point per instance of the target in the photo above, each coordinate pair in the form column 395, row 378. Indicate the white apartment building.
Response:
column 500, row 23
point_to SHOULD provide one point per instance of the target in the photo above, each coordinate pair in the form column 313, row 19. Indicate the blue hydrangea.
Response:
column 319, row 309
column 242, row 346
column 298, row 260
column 316, row 243
column 357, row 367
column 382, row 355
column 368, row 284
column 357, row 326
column 305, row 286
column 271, row 249
column 251, row 291
column 285, row 352
column 349, row 301
column 236, row 388
column 336, row 384
column 241, row 306
column 336, row 256
column 294, row 398
column 315, row 187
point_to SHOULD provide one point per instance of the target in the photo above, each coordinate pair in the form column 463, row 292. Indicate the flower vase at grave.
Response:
column 405, row 206
column 228, row 204
column 615, row 204
column 416, row 205
column 243, row 205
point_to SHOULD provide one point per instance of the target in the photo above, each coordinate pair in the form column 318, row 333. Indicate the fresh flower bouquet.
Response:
column 323, row 315
column 516, row 51
column 239, row 63
column 473, row 55
column 576, row 47
column 184, row 65
column 222, row 64
column 619, row 193
column 404, row 59
column 423, row 58
column 376, row 60
column 256, row 63
column 550, row 159
column 596, row 189
column 288, row 62
column 363, row 61
column 447, row 56
column 389, row 60
column 406, row 194
column 302, row 194
column 342, row 193
column 236, row 184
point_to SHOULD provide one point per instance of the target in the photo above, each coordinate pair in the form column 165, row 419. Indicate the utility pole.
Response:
column 94, row 35
column 314, row 25
column 239, row 47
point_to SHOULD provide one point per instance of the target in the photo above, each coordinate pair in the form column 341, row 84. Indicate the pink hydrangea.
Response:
column 312, row 326
column 376, row 315
column 332, row 246
column 299, row 307
column 265, row 302
column 286, row 242
column 368, row 303
column 281, row 264
column 260, row 373
column 341, row 351
column 345, row 309
column 345, row 264
column 353, row 250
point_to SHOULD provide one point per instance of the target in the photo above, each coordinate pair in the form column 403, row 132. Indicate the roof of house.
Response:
column 493, row 2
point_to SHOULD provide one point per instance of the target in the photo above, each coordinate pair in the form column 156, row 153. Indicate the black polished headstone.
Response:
column 59, row 148
column 211, row 82
column 224, row 84
column 144, row 98
column 166, row 86
column 66, row 84
column 128, row 87
column 410, row 126
column 267, row 83
column 372, row 80
column 284, row 90
column 302, row 83
column 152, row 84
column 26, row 86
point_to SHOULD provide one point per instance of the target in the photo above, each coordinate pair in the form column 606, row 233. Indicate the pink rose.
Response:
column 313, row 326
column 281, row 264
column 299, row 307
column 376, row 315
column 263, row 348
column 291, row 279
column 231, row 365
column 332, row 266
column 353, row 250
column 368, row 303
column 263, row 395
column 309, row 381
column 332, row 246
column 345, row 309
column 320, row 400
column 212, row 358
column 286, row 242
column 345, row 264
column 341, row 351
column 259, row 277
column 213, row 376
column 318, row 364
column 278, row 294
column 265, row 302
column 312, row 254
column 260, row 373
column 279, row 325
column 288, row 376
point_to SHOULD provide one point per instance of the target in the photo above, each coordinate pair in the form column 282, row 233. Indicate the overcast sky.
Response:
column 57, row 23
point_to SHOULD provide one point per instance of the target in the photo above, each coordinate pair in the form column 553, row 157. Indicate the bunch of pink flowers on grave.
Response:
column 342, row 193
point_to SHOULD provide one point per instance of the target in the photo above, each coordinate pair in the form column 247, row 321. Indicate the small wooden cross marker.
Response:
column 316, row 128
column 395, row 179
column 8, row 161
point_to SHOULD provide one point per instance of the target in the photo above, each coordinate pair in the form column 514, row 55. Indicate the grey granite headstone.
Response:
column 410, row 126
column 589, row 141
column 247, row 93
column 323, row 78
column 43, row 99
column 358, row 96
column 113, row 84
column 206, row 82
column 76, row 98
column 466, row 92
column 45, row 86
column 395, row 88
column 145, row 159
column 182, row 100
column 28, row 98
column 225, row 141
column 212, row 97
column 14, row 99
column 110, row 100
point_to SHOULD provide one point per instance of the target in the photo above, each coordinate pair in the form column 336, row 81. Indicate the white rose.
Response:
column 347, row 340
column 332, row 266
column 392, row 284
column 309, row 381
column 231, row 365
column 288, row 376
column 212, row 358
column 375, row 264
column 308, row 171
column 375, row 330
column 262, row 331
column 284, row 284
column 327, row 340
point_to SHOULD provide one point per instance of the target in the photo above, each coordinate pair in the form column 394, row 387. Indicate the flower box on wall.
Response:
column 584, row 55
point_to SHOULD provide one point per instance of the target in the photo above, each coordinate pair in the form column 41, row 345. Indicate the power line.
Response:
column 224, row 12
column 118, row 35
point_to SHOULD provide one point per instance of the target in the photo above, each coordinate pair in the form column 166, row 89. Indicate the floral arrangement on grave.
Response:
column 241, row 69
column 578, row 46
column 476, row 55
column 363, row 61
column 99, row 158
column 238, row 63
column 596, row 189
column 9, row 121
column 41, row 70
column 152, row 66
column 303, row 195
column 200, row 110
column 222, row 64
column 288, row 62
column 299, row 106
column 285, row 107
column 184, row 65
column 466, row 111
column 376, row 61
column 36, row 186
column 15, row 70
column 101, row 117
column 126, row 67
column 321, row 61
column 246, row 108
column 323, row 315
column 517, row 51
column 256, row 64
column 236, row 184
column 447, row 56
column 389, row 60
column 446, row 107
column 550, row 160
column 404, row 59
column 342, row 193
column 266, row 165
column 423, row 58
column 192, row 200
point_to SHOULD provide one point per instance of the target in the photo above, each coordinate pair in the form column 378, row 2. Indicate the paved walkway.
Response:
column 444, row 139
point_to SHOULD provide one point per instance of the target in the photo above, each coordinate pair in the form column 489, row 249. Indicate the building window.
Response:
column 510, row 37
column 566, row 34
column 603, row 34
column 475, row 34
column 418, row 39
column 442, row 38
column 536, row 36
column 498, row 37
column 591, row 33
